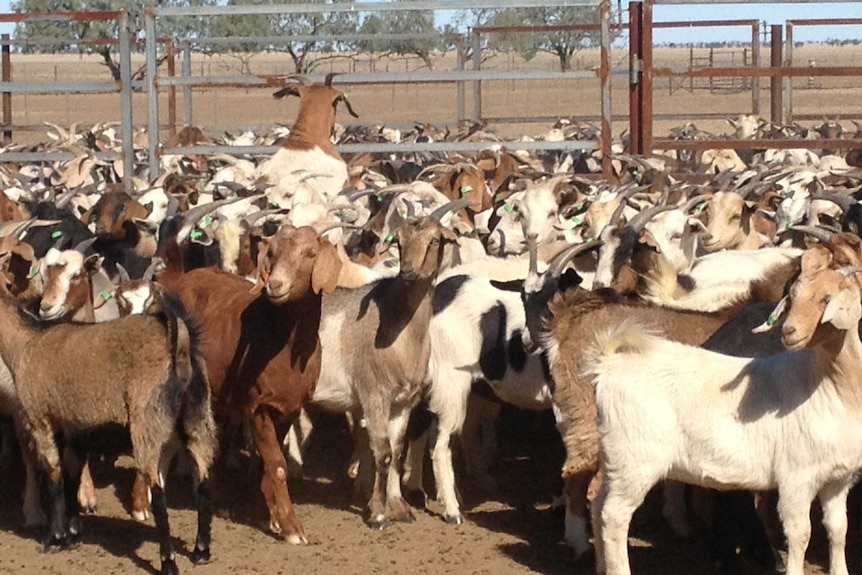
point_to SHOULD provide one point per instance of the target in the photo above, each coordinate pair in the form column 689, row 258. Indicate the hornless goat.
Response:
column 790, row 421
column 162, row 398
column 262, row 351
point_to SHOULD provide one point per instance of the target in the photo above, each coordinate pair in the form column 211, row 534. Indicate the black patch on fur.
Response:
column 483, row 389
column 546, row 369
column 445, row 293
column 686, row 282
column 512, row 285
column 492, row 358
column 421, row 419
column 517, row 354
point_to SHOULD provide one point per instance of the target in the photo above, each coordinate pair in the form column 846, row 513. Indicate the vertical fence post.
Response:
column 755, row 64
column 477, row 84
column 605, row 75
column 775, row 61
column 7, row 96
column 788, row 81
column 187, row 90
column 172, row 89
column 646, row 78
column 635, row 73
column 127, row 124
column 152, row 95
column 459, row 65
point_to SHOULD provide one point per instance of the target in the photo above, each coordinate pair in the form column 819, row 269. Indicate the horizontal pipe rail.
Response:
column 748, row 72
column 60, row 87
column 668, row 144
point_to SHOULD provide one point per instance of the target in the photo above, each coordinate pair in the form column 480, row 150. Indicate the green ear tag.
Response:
column 700, row 207
column 274, row 206
column 508, row 208
column 57, row 234
column 34, row 271
column 389, row 238
column 770, row 321
column 208, row 221
column 589, row 240
column 196, row 234
column 577, row 220
column 466, row 189
column 105, row 295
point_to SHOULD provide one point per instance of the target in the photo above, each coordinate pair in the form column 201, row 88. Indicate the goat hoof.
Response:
column 379, row 523
column 55, row 544
column 169, row 567
column 454, row 519
column 88, row 509
column 141, row 516
column 296, row 539
column 201, row 556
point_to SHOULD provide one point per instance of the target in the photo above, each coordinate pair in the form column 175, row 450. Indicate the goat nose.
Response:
column 533, row 236
column 275, row 284
column 788, row 330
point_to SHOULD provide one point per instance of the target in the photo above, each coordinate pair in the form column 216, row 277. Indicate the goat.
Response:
column 559, row 323
column 668, row 410
column 375, row 355
column 262, row 352
column 163, row 398
column 308, row 148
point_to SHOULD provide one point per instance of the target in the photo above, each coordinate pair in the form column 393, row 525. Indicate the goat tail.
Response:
column 181, row 350
column 627, row 338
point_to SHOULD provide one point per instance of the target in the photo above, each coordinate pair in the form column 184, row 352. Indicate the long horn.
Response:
column 773, row 318
column 331, row 227
column 819, row 233
column 843, row 202
column 452, row 206
column 83, row 246
column 194, row 215
column 150, row 272
column 411, row 209
column 251, row 219
column 643, row 217
column 618, row 213
column 559, row 262
column 124, row 275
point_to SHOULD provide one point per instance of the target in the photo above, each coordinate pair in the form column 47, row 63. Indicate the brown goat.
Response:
column 9, row 210
column 111, row 214
column 262, row 351
column 162, row 399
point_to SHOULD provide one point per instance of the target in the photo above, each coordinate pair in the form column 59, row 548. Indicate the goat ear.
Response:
column 92, row 263
column 343, row 98
column 258, row 252
column 327, row 266
column 843, row 310
column 647, row 238
column 449, row 235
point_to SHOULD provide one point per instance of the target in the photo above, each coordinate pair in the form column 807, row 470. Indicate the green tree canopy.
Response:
column 403, row 22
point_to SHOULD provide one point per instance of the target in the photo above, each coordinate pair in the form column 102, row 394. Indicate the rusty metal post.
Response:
column 7, row 96
column 788, row 81
column 605, row 75
column 126, row 118
column 172, row 90
column 646, row 78
column 635, row 84
column 187, row 90
column 775, row 61
column 755, row 64
column 459, row 65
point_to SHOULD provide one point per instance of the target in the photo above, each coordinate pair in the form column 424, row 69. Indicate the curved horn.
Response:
column 251, row 219
column 83, row 246
column 819, row 233
column 124, row 275
column 411, row 209
column 564, row 257
column 335, row 226
column 452, row 206
column 847, row 270
column 843, row 202
column 689, row 205
column 643, row 217
column 150, row 272
column 192, row 216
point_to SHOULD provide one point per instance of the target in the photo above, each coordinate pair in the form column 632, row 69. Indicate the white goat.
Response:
column 791, row 421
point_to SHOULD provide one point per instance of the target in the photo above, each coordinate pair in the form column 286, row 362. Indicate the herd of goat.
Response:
column 210, row 308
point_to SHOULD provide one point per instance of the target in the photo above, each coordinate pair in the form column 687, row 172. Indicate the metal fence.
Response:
column 641, row 74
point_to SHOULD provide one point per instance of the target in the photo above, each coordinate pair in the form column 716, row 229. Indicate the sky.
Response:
column 769, row 13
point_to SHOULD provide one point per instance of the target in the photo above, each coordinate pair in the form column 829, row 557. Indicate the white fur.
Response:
column 297, row 172
column 668, row 410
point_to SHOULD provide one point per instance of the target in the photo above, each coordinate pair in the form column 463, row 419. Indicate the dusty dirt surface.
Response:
column 509, row 530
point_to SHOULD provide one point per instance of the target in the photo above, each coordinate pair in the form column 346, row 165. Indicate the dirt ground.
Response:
column 510, row 530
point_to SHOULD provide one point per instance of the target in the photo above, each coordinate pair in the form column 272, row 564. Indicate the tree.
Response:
column 563, row 45
column 420, row 22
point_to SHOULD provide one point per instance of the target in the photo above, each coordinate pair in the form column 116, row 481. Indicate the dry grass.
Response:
column 436, row 103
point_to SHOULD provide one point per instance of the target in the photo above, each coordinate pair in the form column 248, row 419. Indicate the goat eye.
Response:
column 734, row 218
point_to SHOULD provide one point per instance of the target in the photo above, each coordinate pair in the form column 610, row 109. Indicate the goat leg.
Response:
column 282, row 516
column 163, row 530
column 203, row 496
column 140, row 499
column 396, row 508
column 575, row 488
